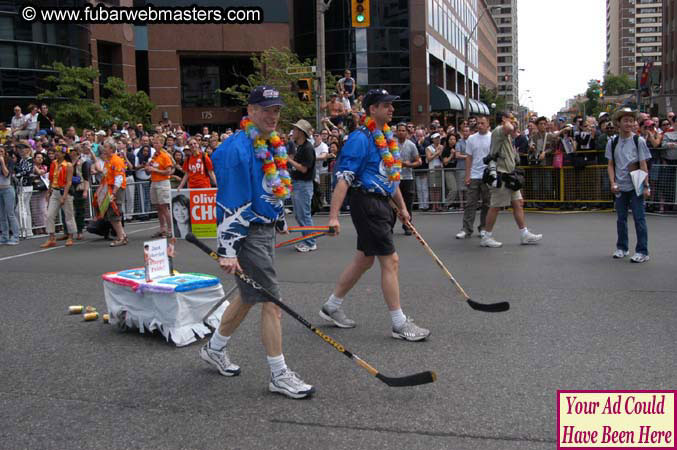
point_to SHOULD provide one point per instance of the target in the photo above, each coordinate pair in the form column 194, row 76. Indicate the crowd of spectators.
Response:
column 32, row 144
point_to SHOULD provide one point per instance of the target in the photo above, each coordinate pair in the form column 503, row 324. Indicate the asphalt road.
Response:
column 579, row 320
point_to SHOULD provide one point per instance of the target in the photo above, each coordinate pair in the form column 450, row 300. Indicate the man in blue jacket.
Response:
column 369, row 166
column 251, row 192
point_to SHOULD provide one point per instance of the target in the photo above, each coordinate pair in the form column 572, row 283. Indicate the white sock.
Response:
column 276, row 364
column 524, row 231
column 398, row 318
column 218, row 341
column 333, row 303
column 488, row 234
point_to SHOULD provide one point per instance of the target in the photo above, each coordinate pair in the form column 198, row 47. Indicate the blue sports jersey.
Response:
column 360, row 165
column 242, row 196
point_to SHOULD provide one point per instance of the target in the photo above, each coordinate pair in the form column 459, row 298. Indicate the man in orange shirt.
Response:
column 197, row 167
column 115, row 179
column 160, row 167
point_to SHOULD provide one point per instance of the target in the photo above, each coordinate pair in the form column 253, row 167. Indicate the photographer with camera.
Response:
column 505, row 183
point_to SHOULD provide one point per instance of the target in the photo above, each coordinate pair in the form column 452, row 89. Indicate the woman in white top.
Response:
column 433, row 155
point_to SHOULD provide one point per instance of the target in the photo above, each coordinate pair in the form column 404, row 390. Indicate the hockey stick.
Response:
column 410, row 380
column 492, row 307
column 215, row 307
column 314, row 228
column 300, row 239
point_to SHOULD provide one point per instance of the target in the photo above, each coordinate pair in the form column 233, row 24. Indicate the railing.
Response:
column 32, row 209
column 436, row 189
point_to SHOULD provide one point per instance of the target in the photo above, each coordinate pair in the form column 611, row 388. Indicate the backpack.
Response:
column 614, row 143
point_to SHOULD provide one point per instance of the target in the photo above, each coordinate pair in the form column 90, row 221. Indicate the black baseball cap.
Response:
column 265, row 96
column 376, row 96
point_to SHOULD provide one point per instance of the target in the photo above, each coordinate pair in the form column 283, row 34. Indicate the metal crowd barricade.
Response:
column 137, row 199
column 439, row 189
column 435, row 189
column 32, row 210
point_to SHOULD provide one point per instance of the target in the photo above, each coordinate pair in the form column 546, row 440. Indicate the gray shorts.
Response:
column 257, row 259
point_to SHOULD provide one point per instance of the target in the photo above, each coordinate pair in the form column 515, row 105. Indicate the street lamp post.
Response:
column 466, row 111
column 322, row 6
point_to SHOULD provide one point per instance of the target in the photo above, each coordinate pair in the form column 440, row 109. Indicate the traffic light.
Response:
column 304, row 89
column 360, row 13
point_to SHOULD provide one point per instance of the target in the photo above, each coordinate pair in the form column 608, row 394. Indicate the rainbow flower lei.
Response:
column 387, row 145
column 274, row 159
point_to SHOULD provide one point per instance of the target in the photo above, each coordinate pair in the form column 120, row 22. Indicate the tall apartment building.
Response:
column 633, row 35
column 508, row 64
column 669, row 55
column 414, row 48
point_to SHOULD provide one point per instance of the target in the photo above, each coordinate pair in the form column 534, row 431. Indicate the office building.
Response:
column 633, row 35
column 413, row 49
column 505, row 14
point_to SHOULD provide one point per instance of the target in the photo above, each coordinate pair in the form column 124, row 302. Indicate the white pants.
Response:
column 422, row 191
column 129, row 198
column 24, row 211
column 53, row 211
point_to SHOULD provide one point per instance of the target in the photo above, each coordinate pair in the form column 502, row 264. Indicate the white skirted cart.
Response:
column 174, row 305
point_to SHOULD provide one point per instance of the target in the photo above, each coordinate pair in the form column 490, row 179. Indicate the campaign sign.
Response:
column 194, row 210
column 156, row 260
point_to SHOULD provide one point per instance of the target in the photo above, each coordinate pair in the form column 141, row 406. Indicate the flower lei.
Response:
column 274, row 159
column 390, row 152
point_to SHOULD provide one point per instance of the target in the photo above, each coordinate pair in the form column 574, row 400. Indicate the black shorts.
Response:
column 374, row 219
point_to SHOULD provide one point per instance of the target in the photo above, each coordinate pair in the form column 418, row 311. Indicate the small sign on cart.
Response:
column 156, row 259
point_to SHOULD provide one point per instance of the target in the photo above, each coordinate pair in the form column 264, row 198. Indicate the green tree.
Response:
column 593, row 105
column 120, row 105
column 70, row 96
column 270, row 67
column 489, row 96
column 618, row 84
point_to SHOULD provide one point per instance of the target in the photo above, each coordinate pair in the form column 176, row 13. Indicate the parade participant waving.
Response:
column 114, row 177
column 370, row 166
column 251, row 172
column 198, row 168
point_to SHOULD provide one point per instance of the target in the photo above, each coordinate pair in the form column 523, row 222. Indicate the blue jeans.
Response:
column 8, row 220
column 636, row 203
column 302, row 195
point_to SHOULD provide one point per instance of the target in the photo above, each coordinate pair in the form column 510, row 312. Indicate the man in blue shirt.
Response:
column 361, row 169
column 248, row 207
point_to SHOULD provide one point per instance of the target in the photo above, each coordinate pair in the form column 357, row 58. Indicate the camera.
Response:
column 533, row 159
column 490, row 176
column 489, row 158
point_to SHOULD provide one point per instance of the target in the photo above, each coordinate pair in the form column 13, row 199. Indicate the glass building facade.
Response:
column 25, row 48
column 385, row 61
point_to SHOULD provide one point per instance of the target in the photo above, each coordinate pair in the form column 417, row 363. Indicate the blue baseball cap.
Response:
column 376, row 96
column 265, row 96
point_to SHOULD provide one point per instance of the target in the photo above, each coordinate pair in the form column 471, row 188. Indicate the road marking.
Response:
column 63, row 246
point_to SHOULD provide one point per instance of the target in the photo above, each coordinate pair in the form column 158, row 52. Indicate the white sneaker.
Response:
column 288, row 383
column 303, row 248
column 409, row 331
column 489, row 241
column 462, row 235
column 530, row 238
column 482, row 234
column 620, row 254
column 220, row 360
column 639, row 258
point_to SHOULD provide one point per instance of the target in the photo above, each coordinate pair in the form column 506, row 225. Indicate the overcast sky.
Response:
column 562, row 45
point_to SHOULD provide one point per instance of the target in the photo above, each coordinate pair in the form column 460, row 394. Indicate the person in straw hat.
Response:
column 302, row 174
column 626, row 153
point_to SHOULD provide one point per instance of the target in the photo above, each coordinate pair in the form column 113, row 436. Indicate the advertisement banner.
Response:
column 194, row 210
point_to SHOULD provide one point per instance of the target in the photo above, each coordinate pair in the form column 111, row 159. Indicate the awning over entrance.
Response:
column 444, row 100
